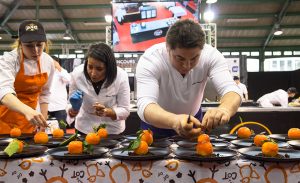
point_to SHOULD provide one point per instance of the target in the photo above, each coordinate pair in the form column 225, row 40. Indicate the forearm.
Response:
column 13, row 103
column 158, row 117
column 109, row 112
column 230, row 102
column 246, row 96
column 44, row 110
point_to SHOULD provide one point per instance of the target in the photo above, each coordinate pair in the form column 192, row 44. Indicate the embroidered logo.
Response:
column 31, row 27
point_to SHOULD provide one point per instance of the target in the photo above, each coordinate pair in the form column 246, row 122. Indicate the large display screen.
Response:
column 137, row 26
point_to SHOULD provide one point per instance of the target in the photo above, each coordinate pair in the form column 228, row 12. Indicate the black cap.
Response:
column 31, row 30
column 236, row 78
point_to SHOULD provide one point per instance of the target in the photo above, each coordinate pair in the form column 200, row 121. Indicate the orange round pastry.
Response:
column 75, row 147
column 244, row 132
column 203, row 138
column 294, row 133
column 21, row 146
column 102, row 132
column 58, row 133
column 147, row 136
column 15, row 132
column 259, row 139
column 142, row 149
column 204, row 149
column 41, row 138
column 92, row 138
column 269, row 149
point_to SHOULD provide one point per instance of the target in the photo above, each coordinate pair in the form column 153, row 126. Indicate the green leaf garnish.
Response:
column 62, row 124
column 12, row 147
column 96, row 128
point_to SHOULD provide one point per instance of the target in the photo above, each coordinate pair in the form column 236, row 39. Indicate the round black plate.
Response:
column 154, row 153
column 165, row 143
column 115, row 137
column 107, row 143
column 62, row 153
column 5, row 141
column 52, row 142
column 177, row 138
column 294, row 143
column 249, row 143
column 280, row 137
column 254, row 154
column 28, row 151
column 190, row 144
column 66, row 136
column 230, row 137
column 220, row 154
column 24, row 136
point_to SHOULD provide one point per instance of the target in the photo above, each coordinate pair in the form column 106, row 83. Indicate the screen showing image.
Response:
column 137, row 26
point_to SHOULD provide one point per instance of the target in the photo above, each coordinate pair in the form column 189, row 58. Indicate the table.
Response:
column 171, row 170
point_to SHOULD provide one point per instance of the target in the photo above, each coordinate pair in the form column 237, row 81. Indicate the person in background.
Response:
column 171, row 79
column 99, row 92
column 58, row 99
column 242, row 87
column 278, row 97
column 25, row 77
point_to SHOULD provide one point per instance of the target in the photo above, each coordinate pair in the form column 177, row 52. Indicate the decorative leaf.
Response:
column 62, row 124
column 241, row 120
column 12, row 147
column 88, row 148
column 96, row 128
column 71, row 138
column 133, row 145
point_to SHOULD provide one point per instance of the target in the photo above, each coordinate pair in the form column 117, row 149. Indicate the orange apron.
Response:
column 28, row 89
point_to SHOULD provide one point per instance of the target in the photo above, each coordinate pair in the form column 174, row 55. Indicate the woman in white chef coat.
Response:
column 25, row 76
column 103, row 89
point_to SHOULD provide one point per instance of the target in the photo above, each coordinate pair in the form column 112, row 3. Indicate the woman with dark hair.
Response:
column 99, row 92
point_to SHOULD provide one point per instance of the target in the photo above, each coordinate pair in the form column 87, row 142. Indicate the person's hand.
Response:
column 191, row 129
column 76, row 100
column 100, row 110
column 215, row 117
column 36, row 118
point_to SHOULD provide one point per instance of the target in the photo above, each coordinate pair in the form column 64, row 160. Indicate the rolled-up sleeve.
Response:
column 221, row 77
column 8, row 71
column 147, row 84
column 122, row 109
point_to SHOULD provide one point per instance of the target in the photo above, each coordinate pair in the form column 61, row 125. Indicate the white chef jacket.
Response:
column 10, row 66
column 243, row 89
column 58, row 99
column 159, row 82
column 116, row 96
column 278, row 97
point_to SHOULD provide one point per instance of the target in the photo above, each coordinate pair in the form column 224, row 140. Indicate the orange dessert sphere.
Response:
column 102, row 132
column 142, row 149
column 203, row 138
column 75, row 147
column 269, row 149
column 58, row 133
column 259, row 139
column 147, row 136
column 244, row 132
column 15, row 132
column 294, row 133
column 21, row 146
column 41, row 138
column 204, row 149
column 92, row 138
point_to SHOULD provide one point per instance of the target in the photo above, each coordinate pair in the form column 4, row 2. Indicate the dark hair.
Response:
column 292, row 90
column 103, row 53
column 185, row 34
column 236, row 78
column 56, row 59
